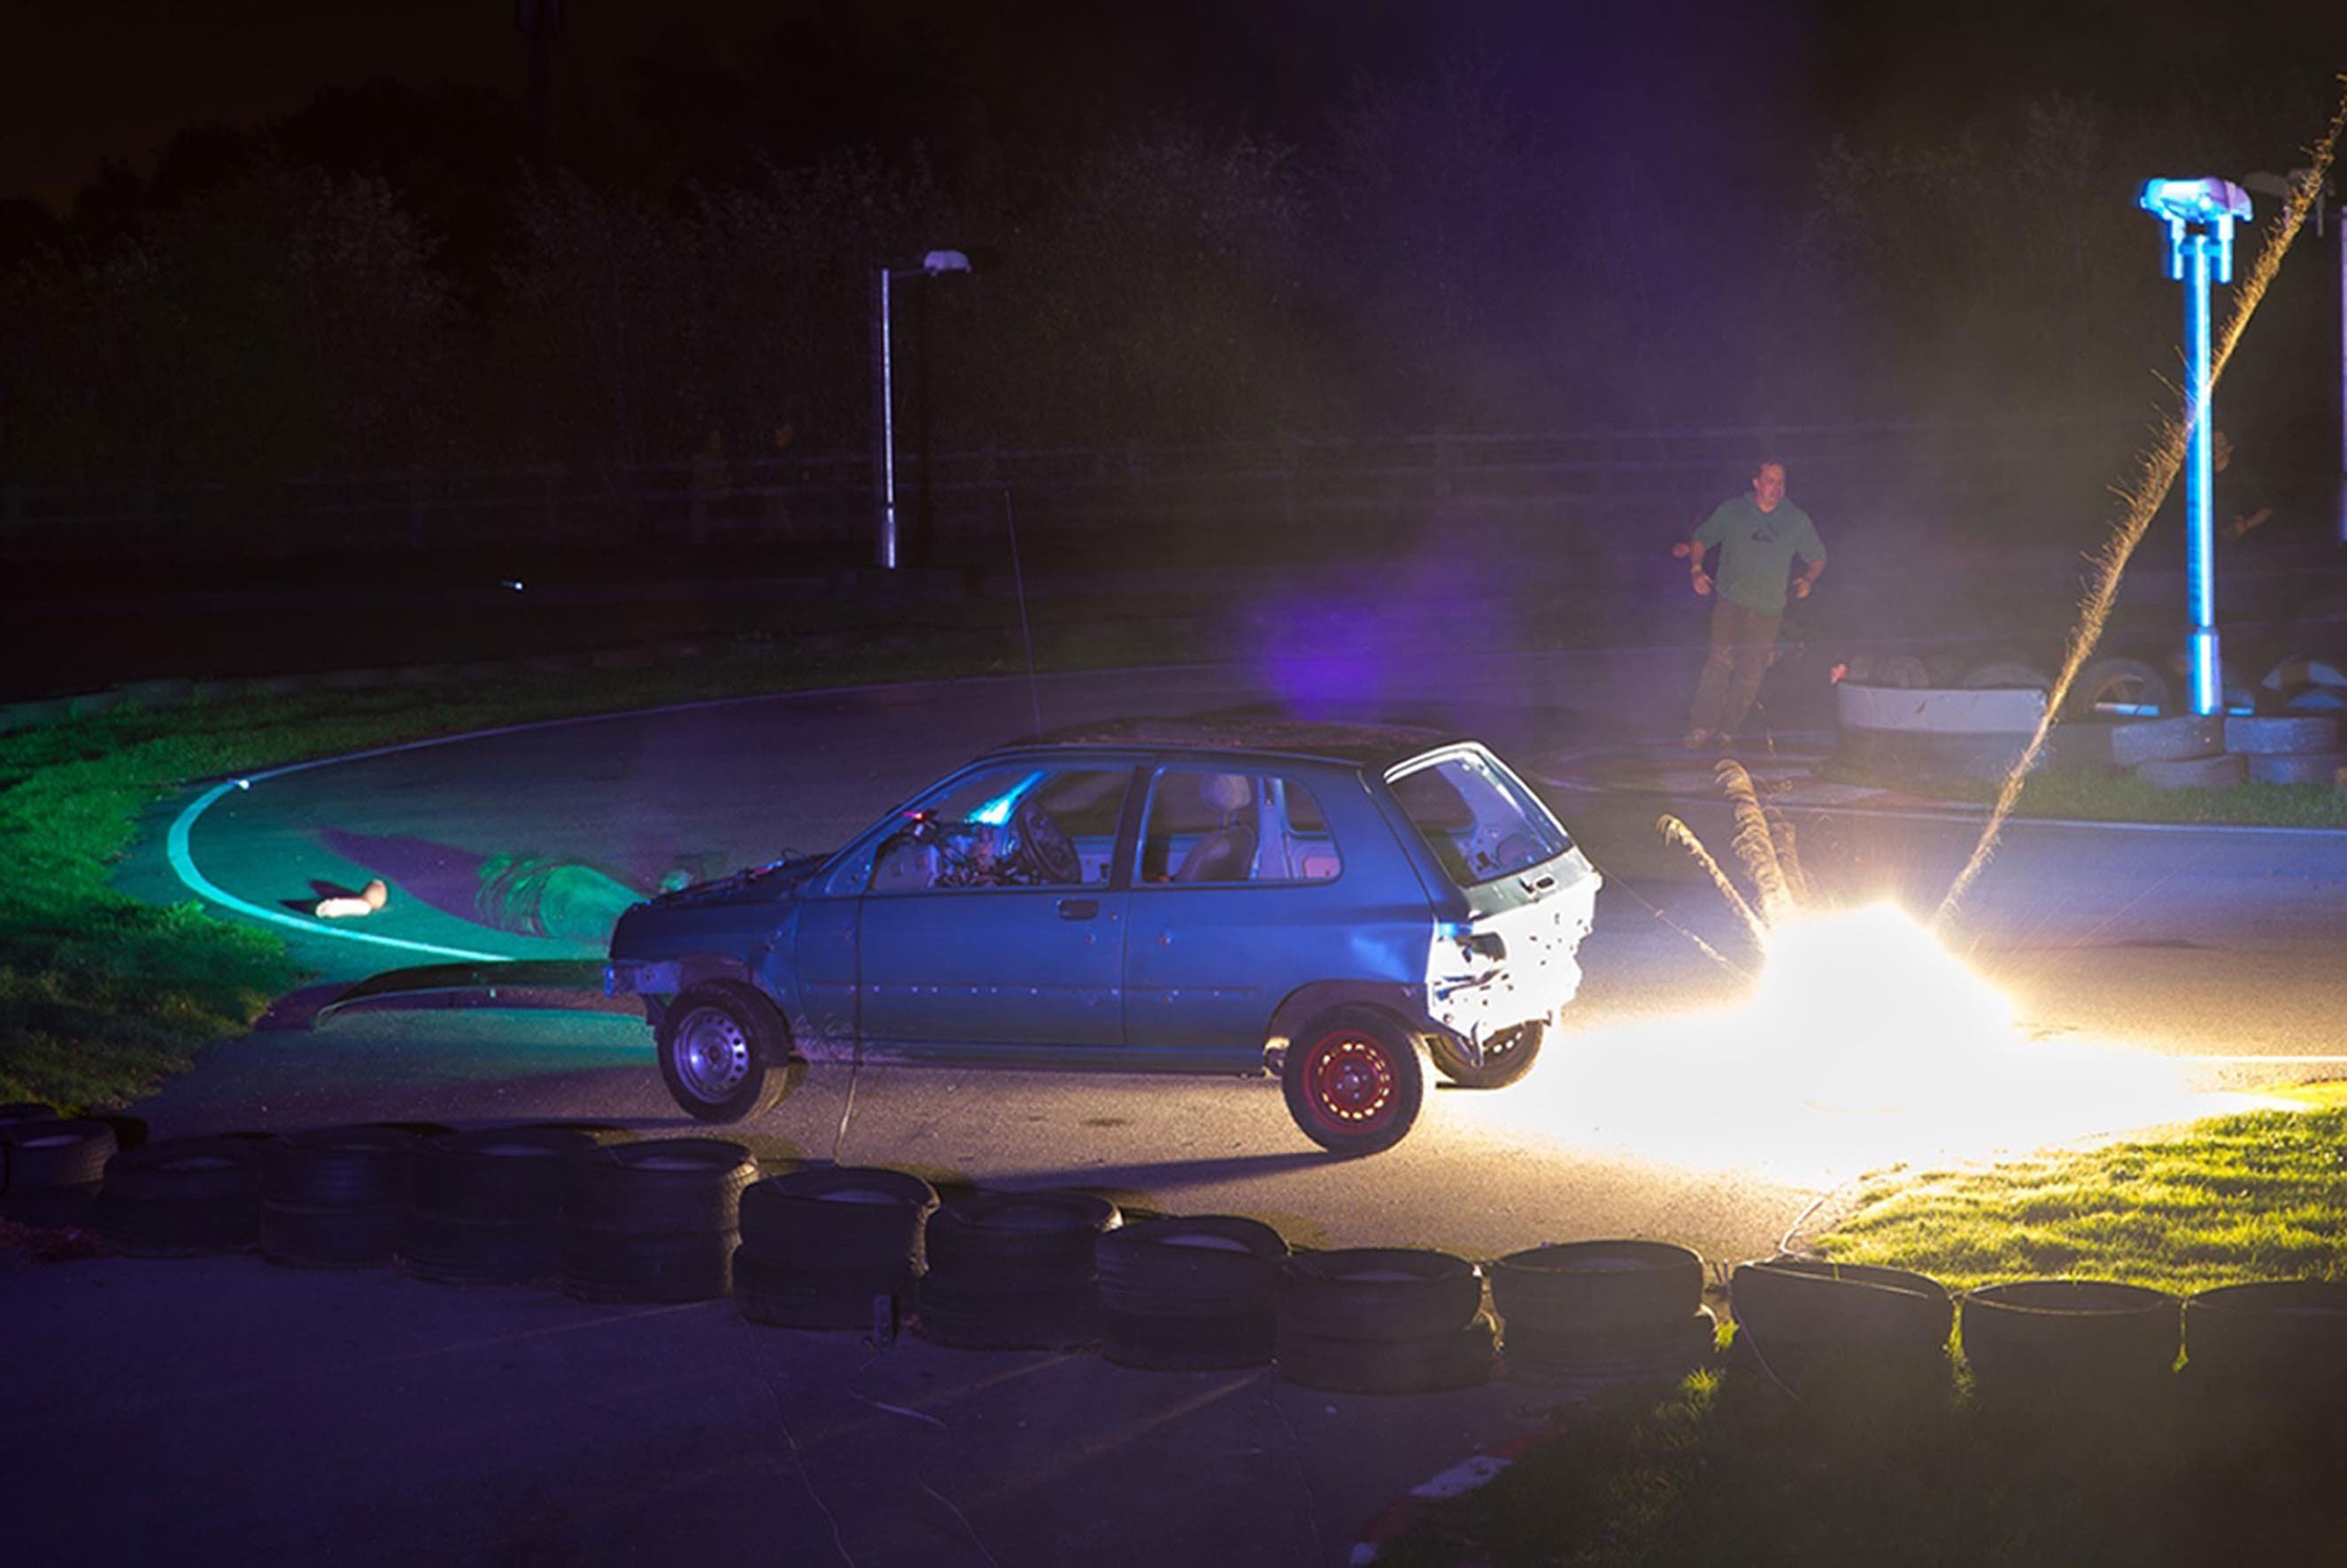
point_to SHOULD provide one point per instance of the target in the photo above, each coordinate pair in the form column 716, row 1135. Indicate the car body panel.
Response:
column 1136, row 968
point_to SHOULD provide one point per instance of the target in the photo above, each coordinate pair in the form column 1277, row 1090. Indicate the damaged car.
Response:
column 1336, row 905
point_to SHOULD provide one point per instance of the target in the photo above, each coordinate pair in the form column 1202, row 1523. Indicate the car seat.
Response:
column 1227, row 853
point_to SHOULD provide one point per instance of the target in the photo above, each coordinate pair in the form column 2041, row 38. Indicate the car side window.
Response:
column 1210, row 827
column 1016, row 827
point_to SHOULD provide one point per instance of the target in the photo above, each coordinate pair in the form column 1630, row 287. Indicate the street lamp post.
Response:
column 2199, row 215
column 883, row 420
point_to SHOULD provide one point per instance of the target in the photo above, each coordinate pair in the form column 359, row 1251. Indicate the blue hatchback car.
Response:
column 1327, row 902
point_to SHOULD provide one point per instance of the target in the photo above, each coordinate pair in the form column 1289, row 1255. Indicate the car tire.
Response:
column 2180, row 739
column 660, row 1186
column 2320, row 769
column 2222, row 772
column 183, row 1197
column 331, row 1199
column 838, row 1216
column 2282, row 1342
column 2281, row 736
column 485, row 1208
column 1646, row 1353
column 17, row 1110
column 2117, row 680
column 1509, row 1055
column 2080, row 1342
column 2007, row 675
column 1353, row 1081
column 1199, row 1266
column 1458, row 1357
column 725, row 1052
column 786, row 1292
column 1378, row 1293
column 1597, row 1286
column 1804, row 1319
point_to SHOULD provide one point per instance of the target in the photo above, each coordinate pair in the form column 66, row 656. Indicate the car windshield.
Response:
column 1479, row 822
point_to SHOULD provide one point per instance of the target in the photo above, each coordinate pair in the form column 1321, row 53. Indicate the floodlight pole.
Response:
column 884, row 395
column 2199, row 215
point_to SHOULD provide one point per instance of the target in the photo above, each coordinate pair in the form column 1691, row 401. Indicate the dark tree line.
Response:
column 378, row 286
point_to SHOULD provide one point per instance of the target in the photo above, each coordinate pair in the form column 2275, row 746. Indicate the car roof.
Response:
column 1352, row 746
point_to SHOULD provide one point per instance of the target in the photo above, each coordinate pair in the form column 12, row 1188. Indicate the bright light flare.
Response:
column 1864, row 1045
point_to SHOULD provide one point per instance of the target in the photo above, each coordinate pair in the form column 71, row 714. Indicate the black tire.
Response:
column 1458, row 1357
column 838, row 1215
column 2285, row 1338
column 646, row 1268
column 996, row 1232
column 1184, row 1343
column 1593, row 1286
column 1650, row 1352
column 1903, row 671
column 2007, row 674
column 787, row 1294
column 1201, row 1266
column 188, row 1169
column 2178, row 739
column 725, row 1052
column 2116, row 680
column 2280, row 737
column 36, row 1155
column 338, row 1167
column 1353, row 1081
column 1803, row 1318
column 2221, row 772
column 1507, row 1057
column 2320, row 768
column 506, row 1176
column 1378, row 1293
column 660, row 1186
column 2070, row 1341
column 181, row 1227
column 1065, row 1318
column 17, row 1110
column 341, row 1235
column 444, row 1249
column 50, row 1208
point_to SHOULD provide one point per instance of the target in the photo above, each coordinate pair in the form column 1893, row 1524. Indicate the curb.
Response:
column 1471, row 1474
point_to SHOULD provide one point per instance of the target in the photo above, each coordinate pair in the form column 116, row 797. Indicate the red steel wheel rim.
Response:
column 1350, row 1080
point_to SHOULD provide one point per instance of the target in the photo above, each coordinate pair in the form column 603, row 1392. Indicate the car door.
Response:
column 1237, row 900
column 969, row 935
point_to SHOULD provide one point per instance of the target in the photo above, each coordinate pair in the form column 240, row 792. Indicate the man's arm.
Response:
column 1700, row 578
column 1809, row 579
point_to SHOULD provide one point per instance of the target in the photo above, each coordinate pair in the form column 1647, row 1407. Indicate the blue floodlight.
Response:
column 2199, row 215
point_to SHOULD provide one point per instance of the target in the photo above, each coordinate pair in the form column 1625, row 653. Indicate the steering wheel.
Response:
column 1044, row 846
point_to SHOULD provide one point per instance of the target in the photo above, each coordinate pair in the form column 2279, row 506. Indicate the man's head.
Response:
column 1769, row 486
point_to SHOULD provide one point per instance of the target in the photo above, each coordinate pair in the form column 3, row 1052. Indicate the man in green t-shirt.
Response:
column 1758, row 537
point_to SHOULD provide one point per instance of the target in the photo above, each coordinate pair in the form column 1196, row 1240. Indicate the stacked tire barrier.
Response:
column 1608, row 1310
column 1382, row 1321
column 485, row 1208
column 1190, row 1294
column 51, row 1168
column 689, row 1220
column 333, row 1199
column 2217, row 751
column 838, row 1249
column 1015, row 1271
column 653, row 1222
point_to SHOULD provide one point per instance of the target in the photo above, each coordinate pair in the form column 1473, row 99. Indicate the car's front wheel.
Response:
column 1507, row 1056
column 725, row 1052
column 1353, row 1080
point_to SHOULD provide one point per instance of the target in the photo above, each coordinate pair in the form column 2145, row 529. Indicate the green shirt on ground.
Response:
column 1757, row 550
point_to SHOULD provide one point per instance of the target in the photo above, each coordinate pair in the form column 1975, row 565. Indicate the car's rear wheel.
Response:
column 1507, row 1057
column 1353, row 1080
column 725, row 1052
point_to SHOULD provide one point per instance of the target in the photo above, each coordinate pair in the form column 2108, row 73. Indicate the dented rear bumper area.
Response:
column 1515, row 967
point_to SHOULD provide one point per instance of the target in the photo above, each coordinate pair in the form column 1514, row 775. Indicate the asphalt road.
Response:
column 221, row 1407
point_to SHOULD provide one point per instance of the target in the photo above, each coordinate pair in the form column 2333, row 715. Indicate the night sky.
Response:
column 116, row 80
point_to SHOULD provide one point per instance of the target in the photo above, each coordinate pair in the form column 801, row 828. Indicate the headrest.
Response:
column 1228, row 792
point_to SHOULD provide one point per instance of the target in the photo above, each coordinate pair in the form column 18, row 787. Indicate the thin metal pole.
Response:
column 2201, row 552
column 884, row 441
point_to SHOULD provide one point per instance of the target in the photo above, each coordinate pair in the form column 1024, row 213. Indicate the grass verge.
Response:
column 2087, row 795
column 101, row 995
column 1728, row 1463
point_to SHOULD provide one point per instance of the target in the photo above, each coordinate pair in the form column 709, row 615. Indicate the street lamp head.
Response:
column 2204, row 200
column 937, row 262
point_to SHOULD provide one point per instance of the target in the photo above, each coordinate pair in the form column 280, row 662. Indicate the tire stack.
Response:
column 333, row 1198
column 832, row 1249
column 485, row 1208
column 2270, row 1351
column 2084, row 1348
column 1015, row 1271
column 1382, row 1321
column 2186, row 751
column 51, row 1168
column 1807, row 1323
column 1192, row 1294
column 655, row 1221
column 2297, row 749
column 1602, row 1311
column 183, row 1197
